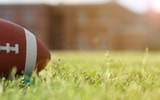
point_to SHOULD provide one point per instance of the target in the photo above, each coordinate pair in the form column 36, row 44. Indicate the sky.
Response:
column 139, row 6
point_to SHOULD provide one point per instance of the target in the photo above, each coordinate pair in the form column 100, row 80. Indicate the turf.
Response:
column 90, row 76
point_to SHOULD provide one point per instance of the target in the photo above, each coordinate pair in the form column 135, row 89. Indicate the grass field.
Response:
column 90, row 76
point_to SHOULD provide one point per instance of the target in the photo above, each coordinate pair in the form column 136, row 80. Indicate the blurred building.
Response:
column 102, row 27
column 86, row 27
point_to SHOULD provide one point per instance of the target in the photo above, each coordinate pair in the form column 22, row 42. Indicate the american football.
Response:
column 20, row 49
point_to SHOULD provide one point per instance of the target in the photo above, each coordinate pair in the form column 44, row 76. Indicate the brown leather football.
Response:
column 21, row 49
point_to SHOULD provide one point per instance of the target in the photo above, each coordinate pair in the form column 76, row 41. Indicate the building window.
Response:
column 102, row 17
column 28, row 16
column 7, row 14
column 103, row 43
column 81, row 18
column 82, row 42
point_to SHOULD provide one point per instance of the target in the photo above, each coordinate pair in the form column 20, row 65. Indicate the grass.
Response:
column 90, row 76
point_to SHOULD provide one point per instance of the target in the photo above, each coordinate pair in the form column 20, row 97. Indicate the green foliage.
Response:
column 89, row 76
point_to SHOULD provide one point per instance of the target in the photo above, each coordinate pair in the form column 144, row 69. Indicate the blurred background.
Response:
column 88, row 24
